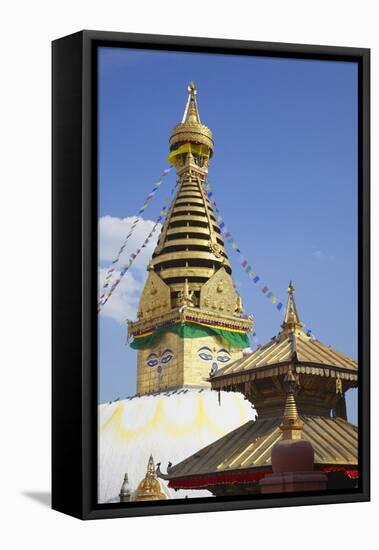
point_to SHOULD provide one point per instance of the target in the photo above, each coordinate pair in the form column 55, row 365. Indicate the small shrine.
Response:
column 150, row 487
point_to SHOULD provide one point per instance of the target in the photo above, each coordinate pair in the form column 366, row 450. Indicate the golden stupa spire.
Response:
column 291, row 318
column 189, row 283
column 150, row 487
column 291, row 425
column 190, row 249
column 191, row 112
column 191, row 136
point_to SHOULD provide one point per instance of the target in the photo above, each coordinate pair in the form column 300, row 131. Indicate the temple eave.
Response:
column 249, row 477
column 189, row 314
column 315, row 369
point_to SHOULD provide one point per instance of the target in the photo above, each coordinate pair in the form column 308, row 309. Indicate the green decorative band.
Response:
column 229, row 338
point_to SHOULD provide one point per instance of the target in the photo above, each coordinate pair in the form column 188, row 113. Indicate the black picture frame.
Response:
column 74, row 333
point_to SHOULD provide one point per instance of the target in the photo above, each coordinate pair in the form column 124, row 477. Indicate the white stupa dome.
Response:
column 170, row 425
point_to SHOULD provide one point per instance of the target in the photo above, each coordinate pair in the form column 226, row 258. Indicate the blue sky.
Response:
column 284, row 175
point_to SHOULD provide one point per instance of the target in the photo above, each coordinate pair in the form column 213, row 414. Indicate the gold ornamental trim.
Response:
column 185, row 314
column 170, row 272
column 192, row 229
column 187, row 255
column 183, row 200
column 189, row 218
column 189, row 242
column 188, row 207
column 196, row 133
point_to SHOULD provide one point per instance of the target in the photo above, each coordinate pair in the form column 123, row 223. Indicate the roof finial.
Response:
column 150, row 467
column 191, row 112
column 291, row 425
column 291, row 318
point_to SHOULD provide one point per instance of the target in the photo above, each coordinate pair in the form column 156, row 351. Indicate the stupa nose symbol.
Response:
column 213, row 369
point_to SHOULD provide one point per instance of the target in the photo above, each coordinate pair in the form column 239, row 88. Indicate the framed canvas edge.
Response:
column 87, row 455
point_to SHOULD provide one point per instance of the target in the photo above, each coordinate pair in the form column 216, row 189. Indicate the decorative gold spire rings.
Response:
column 190, row 130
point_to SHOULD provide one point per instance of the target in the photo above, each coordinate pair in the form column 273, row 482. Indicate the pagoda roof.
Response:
column 291, row 346
column 247, row 449
column 295, row 348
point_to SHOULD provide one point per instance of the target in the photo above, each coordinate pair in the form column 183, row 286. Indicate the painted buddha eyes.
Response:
column 166, row 357
column 206, row 354
column 153, row 360
column 224, row 358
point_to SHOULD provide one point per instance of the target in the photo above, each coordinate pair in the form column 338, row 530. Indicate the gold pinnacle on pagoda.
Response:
column 291, row 319
column 149, row 488
column 291, row 425
column 189, row 277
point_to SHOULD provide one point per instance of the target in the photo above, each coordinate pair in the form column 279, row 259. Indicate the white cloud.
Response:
column 123, row 303
column 112, row 233
column 320, row 255
column 317, row 254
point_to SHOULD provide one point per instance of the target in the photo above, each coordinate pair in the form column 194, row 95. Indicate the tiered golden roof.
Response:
column 248, row 448
column 291, row 346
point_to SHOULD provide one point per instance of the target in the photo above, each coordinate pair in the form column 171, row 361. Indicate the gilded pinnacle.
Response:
column 291, row 425
column 191, row 130
column 291, row 318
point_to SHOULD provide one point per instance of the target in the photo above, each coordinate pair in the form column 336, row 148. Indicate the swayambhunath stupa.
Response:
column 209, row 413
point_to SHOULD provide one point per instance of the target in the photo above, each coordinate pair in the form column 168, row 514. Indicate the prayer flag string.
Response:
column 106, row 295
column 112, row 267
column 266, row 291
column 244, row 262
